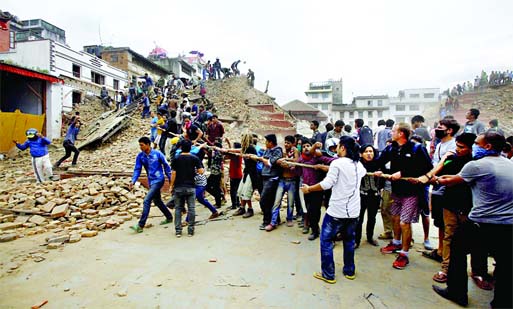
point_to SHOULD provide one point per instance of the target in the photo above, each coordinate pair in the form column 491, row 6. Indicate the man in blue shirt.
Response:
column 69, row 143
column 145, row 105
column 38, row 145
column 155, row 165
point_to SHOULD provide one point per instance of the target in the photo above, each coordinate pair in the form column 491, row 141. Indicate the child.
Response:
column 38, row 145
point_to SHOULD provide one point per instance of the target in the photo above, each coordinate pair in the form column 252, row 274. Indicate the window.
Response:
column 380, row 114
column 324, row 107
column 12, row 41
column 360, row 114
column 380, row 102
column 400, row 119
column 76, row 97
column 369, row 103
column 351, row 115
column 315, row 95
column 324, row 95
column 97, row 78
column 414, row 107
column 114, row 58
column 370, row 123
column 400, row 107
column 369, row 114
column 76, row 71
column 116, row 84
column 429, row 95
column 414, row 95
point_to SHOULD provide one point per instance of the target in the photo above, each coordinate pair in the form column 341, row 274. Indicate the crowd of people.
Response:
column 458, row 177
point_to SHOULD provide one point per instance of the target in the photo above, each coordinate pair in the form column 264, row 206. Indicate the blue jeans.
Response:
column 154, row 195
column 145, row 112
column 286, row 185
column 200, row 196
column 330, row 227
column 183, row 195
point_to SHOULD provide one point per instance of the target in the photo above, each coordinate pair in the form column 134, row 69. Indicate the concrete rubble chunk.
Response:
column 105, row 212
column 58, row 239
column 89, row 233
column 41, row 200
column 60, row 211
column 8, row 237
column 75, row 238
column 48, row 207
column 10, row 225
column 37, row 219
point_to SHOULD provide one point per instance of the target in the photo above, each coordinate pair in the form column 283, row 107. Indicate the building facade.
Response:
column 369, row 108
column 124, row 58
column 325, row 95
column 411, row 102
column 302, row 111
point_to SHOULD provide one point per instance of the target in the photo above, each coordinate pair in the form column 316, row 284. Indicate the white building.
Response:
column 369, row 108
column 79, row 70
column 325, row 95
column 411, row 102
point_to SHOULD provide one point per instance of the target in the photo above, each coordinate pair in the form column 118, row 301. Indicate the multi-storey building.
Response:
column 411, row 102
column 369, row 108
column 325, row 95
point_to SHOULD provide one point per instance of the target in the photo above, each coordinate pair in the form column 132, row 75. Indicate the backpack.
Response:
column 365, row 136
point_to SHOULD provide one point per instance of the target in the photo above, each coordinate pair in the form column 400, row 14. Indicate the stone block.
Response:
column 48, row 207
column 89, row 233
column 60, row 211
column 37, row 219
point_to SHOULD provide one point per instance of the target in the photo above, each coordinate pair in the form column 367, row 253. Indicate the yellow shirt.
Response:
column 160, row 122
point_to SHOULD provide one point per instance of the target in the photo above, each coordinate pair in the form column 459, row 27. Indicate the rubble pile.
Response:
column 70, row 208
column 231, row 98
column 497, row 103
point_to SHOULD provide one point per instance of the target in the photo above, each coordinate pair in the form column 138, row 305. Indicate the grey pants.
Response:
column 183, row 195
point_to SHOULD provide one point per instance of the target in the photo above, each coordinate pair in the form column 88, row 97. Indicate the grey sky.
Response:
column 377, row 47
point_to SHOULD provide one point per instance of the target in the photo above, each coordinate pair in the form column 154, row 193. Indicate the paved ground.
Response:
column 254, row 269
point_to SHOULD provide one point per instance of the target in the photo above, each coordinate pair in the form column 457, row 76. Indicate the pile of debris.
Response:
column 233, row 99
column 72, row 208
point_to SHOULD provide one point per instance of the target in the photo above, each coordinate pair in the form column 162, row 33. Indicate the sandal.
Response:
column 440, row 277
column 432, row 255
column 482, row 283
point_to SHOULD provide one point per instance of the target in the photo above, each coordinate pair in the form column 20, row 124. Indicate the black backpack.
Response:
column 365, row 136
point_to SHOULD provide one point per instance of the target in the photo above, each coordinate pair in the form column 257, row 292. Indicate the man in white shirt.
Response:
column 344, row 176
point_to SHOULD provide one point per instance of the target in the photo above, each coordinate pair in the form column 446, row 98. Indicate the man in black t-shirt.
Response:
column 182, row 186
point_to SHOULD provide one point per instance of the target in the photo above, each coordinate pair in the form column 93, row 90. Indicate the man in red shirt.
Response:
column 214, row 132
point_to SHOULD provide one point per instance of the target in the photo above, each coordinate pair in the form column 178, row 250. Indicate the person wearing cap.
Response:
column 69, row 143
column 270, row 176
column 38, row 145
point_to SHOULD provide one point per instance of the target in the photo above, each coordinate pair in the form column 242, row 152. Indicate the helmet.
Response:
column 331, row 142
column 31, row 133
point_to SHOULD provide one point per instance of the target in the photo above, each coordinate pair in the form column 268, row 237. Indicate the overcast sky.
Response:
column 376, row 47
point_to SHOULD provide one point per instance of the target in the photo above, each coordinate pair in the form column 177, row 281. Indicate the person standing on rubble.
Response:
column 235, row 69
column 155, row 165
column 38, row 145
column 251, row 78
column 69, row 143
column 217, row 69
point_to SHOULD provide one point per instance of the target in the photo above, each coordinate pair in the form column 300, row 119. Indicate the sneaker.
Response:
column 137, row 228
column 262, row 227
column 178, row 234
column 270, row 227
column 300, row 224
column 320, row 277
column 305, row 230
column 290, row 223
column 233, row 207
column 190, row 233
column 313, row 236
column 214, row 215
column 167, row 221
column 240, row 212
column 349, row 276
column 248, row 213
column 391, row 248
column 401, row 261
column 427, row 245
column 385, row 236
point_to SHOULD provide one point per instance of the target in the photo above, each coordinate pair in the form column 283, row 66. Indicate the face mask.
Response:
column 299, row 148
column 479, row 152
column 440, row 133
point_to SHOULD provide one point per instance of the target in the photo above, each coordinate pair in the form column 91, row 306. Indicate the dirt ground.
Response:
column 253, row 269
